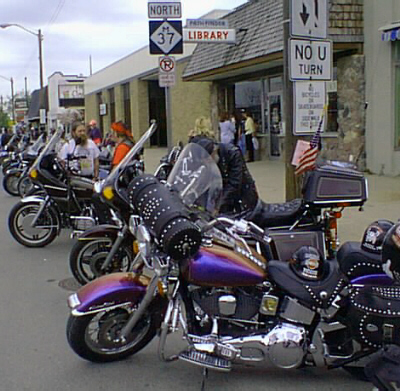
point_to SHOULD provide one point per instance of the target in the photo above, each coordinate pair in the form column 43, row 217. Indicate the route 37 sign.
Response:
column 166, row 37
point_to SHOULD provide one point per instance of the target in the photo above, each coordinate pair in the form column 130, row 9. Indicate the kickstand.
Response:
column 205, row 376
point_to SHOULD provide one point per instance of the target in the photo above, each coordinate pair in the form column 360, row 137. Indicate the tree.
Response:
column 4, row 119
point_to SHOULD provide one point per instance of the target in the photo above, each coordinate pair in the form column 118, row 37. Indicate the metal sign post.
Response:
column 166, row 38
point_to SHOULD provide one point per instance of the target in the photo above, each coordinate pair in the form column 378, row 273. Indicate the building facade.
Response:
column 382, row 55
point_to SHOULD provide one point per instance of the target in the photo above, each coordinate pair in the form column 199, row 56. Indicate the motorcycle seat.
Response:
column 319, row 293
column 355, row 262
column 271, row 215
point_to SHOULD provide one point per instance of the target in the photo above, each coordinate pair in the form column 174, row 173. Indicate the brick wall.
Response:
column 346, row 17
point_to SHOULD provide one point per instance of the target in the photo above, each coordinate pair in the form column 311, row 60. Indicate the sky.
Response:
column 75, row 31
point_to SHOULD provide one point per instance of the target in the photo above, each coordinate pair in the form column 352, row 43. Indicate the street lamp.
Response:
column 12, row 94
column 40, row 39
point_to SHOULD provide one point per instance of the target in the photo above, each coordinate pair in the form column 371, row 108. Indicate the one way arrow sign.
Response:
column 308, row 18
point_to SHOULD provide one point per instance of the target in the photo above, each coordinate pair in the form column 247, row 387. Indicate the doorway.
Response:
column 157, row 111
column 274, row 104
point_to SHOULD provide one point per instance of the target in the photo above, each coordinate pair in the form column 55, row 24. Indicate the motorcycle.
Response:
column 108, row 248
column 61, row 200
column 214, row 279
column 16, row 181
column 304, row 219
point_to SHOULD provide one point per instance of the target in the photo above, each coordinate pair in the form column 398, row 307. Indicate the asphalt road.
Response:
column 35, row 355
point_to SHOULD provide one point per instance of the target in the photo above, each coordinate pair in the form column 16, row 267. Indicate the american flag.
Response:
column 308, row 160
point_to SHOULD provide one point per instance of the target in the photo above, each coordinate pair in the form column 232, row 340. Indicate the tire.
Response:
column 20, row 217
column 24, row 186
column 92, row 336
column 87, row 256
column 10, row 183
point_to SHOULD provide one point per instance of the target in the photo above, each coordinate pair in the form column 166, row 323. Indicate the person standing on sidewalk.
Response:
column 250, row 132
column 94, row 132
column 227, row 129
column 123, row 139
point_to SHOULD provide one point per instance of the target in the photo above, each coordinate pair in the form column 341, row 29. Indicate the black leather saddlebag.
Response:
column 374, row 315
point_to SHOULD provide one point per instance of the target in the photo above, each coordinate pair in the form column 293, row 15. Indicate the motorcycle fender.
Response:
column 33, row 198
column 108, row 292
column 99, row 231
column 14, row 171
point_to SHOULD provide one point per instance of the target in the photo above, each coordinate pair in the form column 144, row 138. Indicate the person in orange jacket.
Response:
column 123, row 141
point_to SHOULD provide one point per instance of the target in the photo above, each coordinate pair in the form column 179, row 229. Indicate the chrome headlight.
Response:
column 143, row 238
column 97, row 187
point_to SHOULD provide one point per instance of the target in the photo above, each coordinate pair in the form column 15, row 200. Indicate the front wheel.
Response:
column 10, row 183
column 87, row 257
column 44, row 231
column 95, row 337
column 25, row 185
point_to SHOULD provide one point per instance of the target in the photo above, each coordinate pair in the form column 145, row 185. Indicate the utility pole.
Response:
column 26, row 92
column 292, row 187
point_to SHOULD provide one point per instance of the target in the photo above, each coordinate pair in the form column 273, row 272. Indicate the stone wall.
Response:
column 350, row 143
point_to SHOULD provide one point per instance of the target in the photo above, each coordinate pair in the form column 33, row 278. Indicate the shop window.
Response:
column 332, row 100
column 126, row 95
column 397, row 93
column 275, row 84
column 99, row 97
column 111, row 97
column 248, row 97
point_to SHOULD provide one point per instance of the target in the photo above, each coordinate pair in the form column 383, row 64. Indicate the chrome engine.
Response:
column 284, row 346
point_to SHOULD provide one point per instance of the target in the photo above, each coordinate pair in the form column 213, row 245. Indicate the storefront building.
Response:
column 382, row 53
column 214, row 78
column 249, row 76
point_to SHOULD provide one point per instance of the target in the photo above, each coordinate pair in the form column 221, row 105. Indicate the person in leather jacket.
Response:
column 239, row 189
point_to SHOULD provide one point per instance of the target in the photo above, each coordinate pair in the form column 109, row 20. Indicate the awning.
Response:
column 391, row 32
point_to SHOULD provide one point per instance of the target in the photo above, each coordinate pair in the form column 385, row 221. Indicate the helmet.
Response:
column 307, row 263
column 391, row 253
column 92, row 123
column 374, row 234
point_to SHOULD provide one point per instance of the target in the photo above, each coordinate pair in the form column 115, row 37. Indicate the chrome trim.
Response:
column 337, row 201
column 55, row 187
column 78, row 313
column 73, row 301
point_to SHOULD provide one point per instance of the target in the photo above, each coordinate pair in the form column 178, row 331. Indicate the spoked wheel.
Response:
column 19, row 224
column 95, row 337
column 25, row 185
column 87, row 257
column 10, row 183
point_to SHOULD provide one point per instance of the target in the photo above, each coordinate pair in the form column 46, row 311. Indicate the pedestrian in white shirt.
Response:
column 82, row 153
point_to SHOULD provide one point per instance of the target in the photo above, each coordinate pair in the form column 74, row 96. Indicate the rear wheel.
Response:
column 88, row 256
column 10, row 183
column 95, row 337
column 45, row 230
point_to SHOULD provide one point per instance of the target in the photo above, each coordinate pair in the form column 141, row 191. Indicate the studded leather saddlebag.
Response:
column 375, row 315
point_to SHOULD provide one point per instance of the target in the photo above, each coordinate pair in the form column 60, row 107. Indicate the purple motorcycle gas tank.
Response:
column 221, row 266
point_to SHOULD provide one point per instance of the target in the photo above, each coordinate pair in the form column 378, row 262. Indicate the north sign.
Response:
column 308, row 18
column 310, row 60
column 161, row 10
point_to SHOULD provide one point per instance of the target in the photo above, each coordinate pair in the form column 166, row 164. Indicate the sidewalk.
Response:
column 383, row 200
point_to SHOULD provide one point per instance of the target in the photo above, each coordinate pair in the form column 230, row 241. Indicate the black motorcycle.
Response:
column 61, row 200
column 109, row 248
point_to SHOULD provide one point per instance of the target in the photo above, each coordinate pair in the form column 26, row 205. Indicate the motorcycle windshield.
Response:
column 34, row 148
column 197, row 179
column 129, row 157
column 50, row 147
